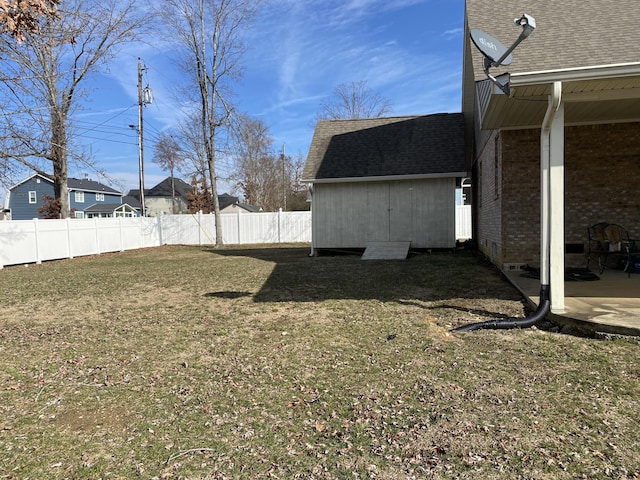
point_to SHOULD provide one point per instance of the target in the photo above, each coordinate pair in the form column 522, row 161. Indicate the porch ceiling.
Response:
column 590, row 101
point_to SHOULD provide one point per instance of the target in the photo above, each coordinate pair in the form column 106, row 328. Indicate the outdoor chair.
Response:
column 611, row 245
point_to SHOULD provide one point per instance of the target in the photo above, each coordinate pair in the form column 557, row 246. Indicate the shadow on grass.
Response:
column 227, row 294
column 297, row 277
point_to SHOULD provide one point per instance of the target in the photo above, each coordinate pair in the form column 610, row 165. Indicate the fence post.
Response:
column 161, row 230
column 279, row 226
column 95, row 226
column 121, row 234
column 36, row 232
column 69, row 241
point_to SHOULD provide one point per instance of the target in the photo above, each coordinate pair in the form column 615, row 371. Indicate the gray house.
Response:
column 385, row 180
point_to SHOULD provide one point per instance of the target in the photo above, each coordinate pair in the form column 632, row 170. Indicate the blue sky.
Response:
column 408, row 51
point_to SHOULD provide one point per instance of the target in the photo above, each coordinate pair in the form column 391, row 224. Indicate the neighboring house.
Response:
column 579, row 75
column 159, row 200
column 385, row 179
column 87, row 198
column 231, row 204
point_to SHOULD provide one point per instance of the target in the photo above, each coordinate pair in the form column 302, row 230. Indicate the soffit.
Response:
column 611, row 100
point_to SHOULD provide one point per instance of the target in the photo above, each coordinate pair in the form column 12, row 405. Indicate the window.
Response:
column 33, row 197
column 79, row 197
column 99, row 197
column 78, row 214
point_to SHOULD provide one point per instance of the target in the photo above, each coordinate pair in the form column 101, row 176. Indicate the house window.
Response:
column 79, row 214
column 33, row 196
column 99, row 197
column 79, row 197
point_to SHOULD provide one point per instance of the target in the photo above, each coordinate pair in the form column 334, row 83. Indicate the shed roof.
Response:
column 427, row 145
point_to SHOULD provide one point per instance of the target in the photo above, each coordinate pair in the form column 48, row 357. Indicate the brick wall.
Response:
column 489, row 198
column 602, row 183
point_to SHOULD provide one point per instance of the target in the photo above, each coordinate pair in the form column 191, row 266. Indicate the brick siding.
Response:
column 602, row 180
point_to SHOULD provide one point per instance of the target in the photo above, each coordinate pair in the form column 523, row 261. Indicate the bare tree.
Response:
column 191, row 145
column 168, row 155
column 354, row 100
column 299, row 190
column 266, row 178
column 209, row 31
column 42, row 82
column 19, row 17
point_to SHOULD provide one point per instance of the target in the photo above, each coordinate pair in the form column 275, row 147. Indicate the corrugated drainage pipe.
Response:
column 544, row 305
column 511, row 323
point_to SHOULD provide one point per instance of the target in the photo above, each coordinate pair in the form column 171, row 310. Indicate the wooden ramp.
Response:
column 386, row 251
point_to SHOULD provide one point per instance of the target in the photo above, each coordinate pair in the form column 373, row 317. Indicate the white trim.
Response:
column 386, row 178
column 575, row 74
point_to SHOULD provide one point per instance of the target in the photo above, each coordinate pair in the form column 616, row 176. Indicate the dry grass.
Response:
column 185, row 362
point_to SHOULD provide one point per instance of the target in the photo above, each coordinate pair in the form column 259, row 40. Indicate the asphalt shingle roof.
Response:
column 89, row 185
column 163, row 189
column 568, row 34
column 390, row 146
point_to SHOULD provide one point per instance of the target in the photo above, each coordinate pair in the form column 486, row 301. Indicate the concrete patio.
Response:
column 609, row 305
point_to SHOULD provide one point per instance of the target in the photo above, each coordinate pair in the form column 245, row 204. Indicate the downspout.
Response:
column 544, row 303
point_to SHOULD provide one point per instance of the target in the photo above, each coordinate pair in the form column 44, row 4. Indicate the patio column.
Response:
column 556, row 211
column 552, row 199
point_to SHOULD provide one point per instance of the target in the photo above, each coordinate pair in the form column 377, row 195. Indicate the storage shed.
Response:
column 385, row 180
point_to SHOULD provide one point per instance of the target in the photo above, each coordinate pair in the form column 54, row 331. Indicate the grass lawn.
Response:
column 190, row 362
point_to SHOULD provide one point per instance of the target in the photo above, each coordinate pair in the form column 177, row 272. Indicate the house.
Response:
column 87, row 198
column 560, row 151
column 159, row 200
column 231, row 204
column 385, row 179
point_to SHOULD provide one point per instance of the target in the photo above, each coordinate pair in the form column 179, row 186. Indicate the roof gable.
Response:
column 569, row 33
column 163, row 189
column 73, row 184
column 35, row 175
column 225, row 200
column 391, row 146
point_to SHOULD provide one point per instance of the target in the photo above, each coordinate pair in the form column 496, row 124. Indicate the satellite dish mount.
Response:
column 495, row 53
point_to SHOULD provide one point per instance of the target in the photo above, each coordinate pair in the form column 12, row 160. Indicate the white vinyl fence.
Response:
column 36, row 241
column 463, row 222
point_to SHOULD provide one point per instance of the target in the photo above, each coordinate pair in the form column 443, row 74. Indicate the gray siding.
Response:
column 349, row 215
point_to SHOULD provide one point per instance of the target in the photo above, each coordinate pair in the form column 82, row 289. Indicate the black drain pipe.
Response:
column 541, row 312
column 544, row 305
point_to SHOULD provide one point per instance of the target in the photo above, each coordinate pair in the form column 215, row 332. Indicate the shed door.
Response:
column 378, row 212
column 400, row 212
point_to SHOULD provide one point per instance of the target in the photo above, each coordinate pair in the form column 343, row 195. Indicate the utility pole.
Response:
column 144, row 97
column 143, row 211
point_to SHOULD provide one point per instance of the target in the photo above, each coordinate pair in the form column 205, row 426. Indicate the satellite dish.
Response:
column 490, row 47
